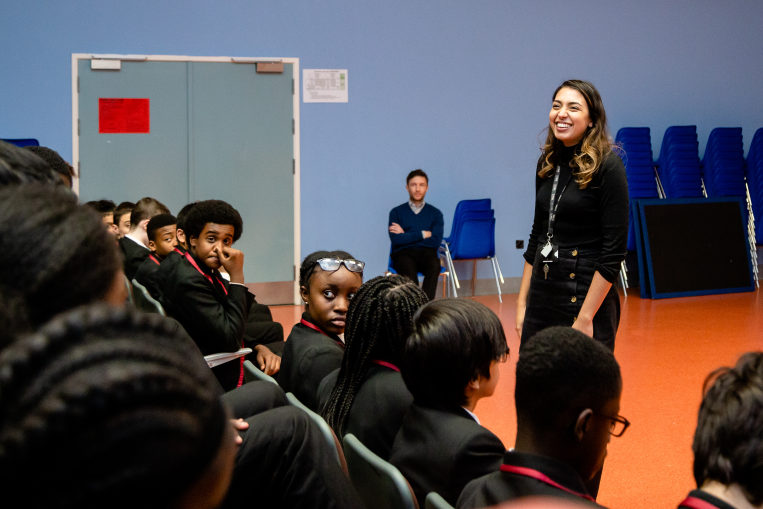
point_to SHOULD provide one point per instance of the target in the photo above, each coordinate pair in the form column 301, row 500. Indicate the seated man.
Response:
column 415, row 230
column 451, row 361
column 567, row 398
column 134, row 245
column 728, row 442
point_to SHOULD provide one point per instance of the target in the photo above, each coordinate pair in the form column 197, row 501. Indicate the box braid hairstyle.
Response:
column 379, row 320
column 54, row 253
column 101, row 408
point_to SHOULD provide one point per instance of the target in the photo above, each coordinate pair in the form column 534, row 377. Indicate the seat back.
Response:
column 379, row 484
column 22, row 142
column 754, row 174
column 723, row 164
column 474, row 239
column 144, row 301
column 252, row 372
column 435, row 501
column 678, row 165
column 466, row 206
column 328, row 434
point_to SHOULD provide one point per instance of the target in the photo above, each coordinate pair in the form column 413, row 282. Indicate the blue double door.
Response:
column 216, row 130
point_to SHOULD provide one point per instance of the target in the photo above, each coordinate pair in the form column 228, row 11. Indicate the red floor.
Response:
column 665, row 349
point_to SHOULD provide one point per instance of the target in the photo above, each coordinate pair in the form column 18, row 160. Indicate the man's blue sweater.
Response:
column 429, row 219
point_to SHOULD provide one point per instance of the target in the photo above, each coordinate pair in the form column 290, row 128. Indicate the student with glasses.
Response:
column 567, row 398
column 328, row 280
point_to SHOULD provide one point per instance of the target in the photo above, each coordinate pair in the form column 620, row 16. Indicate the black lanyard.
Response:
column 554, row 203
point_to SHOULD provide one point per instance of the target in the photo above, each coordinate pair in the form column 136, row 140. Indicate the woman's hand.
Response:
column 583, row 325
column 520, row 319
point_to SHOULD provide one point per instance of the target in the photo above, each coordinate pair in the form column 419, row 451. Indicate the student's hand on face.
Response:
column 268, row 362
column 395, row 228
column 233, row 261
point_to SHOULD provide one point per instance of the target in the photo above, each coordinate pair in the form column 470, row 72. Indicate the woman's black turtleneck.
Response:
column 592, row 220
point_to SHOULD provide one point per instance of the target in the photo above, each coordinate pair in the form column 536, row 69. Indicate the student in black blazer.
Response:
column 211, row 310
column 567, row 399
column 134, row 245
column 451, row 361
column 328, row 281
column 367, row 396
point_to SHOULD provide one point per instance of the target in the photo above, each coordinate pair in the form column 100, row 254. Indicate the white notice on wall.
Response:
column 324, row 86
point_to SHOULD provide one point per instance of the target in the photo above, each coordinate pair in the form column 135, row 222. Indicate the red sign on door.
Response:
column 123, row 115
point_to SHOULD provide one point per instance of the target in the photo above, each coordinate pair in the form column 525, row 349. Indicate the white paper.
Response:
column 324, row 86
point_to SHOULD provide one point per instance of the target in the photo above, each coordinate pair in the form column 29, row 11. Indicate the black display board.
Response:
column 692, row 247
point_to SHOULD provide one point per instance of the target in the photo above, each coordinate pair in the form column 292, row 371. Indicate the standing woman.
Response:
column 580, row 228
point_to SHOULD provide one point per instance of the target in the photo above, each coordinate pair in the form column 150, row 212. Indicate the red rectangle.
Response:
column 123, row 115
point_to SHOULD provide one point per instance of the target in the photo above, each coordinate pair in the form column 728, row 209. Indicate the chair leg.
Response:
column 496, row 271
column 624, row 278
column 474, row 277
column 452, row 270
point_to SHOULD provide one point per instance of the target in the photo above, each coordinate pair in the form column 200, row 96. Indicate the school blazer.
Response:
column 308, row 356
column 214, row 320
column 132, row 256
column 377, row 410
column 442, row 450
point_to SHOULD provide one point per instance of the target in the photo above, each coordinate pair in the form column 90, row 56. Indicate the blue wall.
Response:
column 459, row 88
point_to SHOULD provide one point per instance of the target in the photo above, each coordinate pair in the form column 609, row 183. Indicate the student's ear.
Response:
column 304, row 293
column 582, row 424
column 152, row 245
column 180, row 235
column 143, row 225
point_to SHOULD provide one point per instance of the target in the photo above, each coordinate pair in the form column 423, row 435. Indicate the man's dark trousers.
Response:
column 409, row 262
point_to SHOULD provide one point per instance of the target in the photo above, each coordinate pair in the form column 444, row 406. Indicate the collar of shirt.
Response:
column 136, row 240
column 414, row 208
column 473, row 416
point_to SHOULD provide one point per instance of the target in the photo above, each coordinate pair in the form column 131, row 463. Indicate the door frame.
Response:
column 113, row 58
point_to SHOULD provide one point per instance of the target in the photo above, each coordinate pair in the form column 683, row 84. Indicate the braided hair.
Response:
column 379, row 320
column 101, row 408
column 54, row 253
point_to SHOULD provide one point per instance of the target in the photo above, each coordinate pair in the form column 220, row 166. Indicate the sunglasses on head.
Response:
column 332, row 264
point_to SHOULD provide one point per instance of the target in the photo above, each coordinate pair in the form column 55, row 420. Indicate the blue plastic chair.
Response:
column 754, row 174
column 22, row 142
column 723, row 163
column 474, row 239
column 379, row 483
column 678, row 165
column 480, row 207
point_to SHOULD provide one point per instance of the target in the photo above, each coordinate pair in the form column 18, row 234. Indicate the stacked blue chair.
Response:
column 678, row 165
column 636, row 146
column 472, row 208
column 723, row 163
column 755, row 181
column 472, row 237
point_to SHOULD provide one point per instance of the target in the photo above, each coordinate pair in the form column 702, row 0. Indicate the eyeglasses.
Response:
column 332, row 264
column 618, row 424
